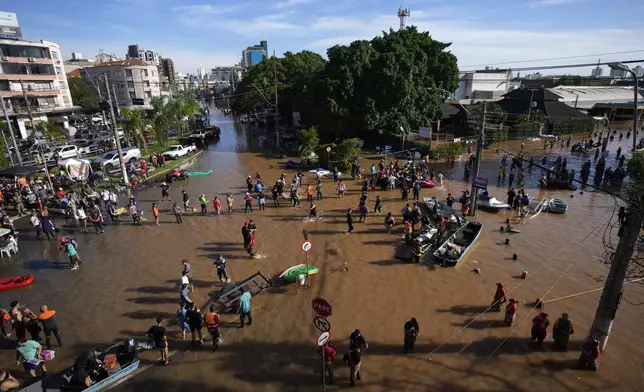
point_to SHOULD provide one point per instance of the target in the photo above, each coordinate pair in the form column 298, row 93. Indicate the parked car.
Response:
column 88, row 147
column 63, row 152
column 177, row 151
column 110, row 160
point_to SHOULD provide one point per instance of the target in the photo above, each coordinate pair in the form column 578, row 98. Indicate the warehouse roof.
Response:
column 589, row 96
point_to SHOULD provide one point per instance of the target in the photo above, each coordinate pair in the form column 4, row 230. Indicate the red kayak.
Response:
column 16, row 281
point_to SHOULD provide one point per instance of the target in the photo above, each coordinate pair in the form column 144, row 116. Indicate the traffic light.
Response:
column 138, row 101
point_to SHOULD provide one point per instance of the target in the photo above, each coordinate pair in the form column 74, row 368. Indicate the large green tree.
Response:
column 374, row 87
column 135, row 125
column 83, row 94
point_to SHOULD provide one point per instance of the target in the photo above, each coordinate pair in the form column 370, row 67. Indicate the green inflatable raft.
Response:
column 201, row 173
column 290, row 275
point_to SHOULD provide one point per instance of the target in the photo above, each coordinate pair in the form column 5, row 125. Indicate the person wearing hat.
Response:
column 511, row 312
column 539, row 329
column 248, row 199
column 165, row 191
column 249, row 184
column 561, row 332
column 68, row 246
column 499, row 297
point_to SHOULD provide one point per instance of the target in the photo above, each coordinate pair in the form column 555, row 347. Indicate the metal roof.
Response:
column 585, row 97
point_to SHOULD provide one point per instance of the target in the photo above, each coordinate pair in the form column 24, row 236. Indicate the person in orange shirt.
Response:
column 309, row 193
column 155, row 213
column 1, row 199
column 217, row 205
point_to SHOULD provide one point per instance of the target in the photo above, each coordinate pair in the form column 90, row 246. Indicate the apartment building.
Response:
column 37, row 69
column 167, row 69
column 147, row 55
column 134, row 82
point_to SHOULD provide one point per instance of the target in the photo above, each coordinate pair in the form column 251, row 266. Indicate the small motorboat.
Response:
column 119, row 362
column 427, row 237
column 426, row 183
column 290, row 275
column 459, row 244
column 199, row 173
column 487, row 202
column 16, row 282
column 557, row 206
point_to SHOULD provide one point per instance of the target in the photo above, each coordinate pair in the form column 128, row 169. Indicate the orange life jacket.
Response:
column 211, row 320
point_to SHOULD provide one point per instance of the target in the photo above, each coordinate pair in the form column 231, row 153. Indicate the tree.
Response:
column 529, row 126
column 135, row 125
column 162, row 117
column 309, row 140
column 83, row 94
column 183, row 110
column 348, row 151
column 51, row 130
column 4, row 159
column 381, row 85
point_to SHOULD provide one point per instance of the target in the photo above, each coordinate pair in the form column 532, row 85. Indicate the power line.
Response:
column 554, row 58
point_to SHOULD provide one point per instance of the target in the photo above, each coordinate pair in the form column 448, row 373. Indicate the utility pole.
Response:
column 116, row 132
column 277, row 106
column 474, row 192
column 613, row 288
column 13, row 136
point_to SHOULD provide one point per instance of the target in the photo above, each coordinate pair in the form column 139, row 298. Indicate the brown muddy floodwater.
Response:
column 130, row 276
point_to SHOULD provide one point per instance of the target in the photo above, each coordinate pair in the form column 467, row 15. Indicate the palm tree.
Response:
column 134, row 122
column 162, row 118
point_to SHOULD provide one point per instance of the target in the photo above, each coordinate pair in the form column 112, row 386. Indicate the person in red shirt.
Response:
column 60, row 193
column 499, row 297
column 217, row 205
column 539, row 329
column 511, row 312
column 251, row 244
column 329, row 357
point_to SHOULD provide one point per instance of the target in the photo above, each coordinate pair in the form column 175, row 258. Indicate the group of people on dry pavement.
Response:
column 29, row 351
column 561, row 331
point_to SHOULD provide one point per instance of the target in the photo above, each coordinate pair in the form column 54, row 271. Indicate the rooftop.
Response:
column 588, row 96
column 75, row 73
column 123, row 63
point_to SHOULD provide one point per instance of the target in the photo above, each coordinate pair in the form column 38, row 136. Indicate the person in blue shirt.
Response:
column 70, row 248
column 244, row 308
column 183, row 320
column 185, row 295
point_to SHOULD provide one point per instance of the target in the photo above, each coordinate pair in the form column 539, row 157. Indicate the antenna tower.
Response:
column 403, row 14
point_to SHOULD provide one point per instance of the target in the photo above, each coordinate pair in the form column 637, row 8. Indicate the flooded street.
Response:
column 130, row 276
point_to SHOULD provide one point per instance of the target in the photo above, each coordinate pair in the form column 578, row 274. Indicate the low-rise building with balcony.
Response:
column 32, row 81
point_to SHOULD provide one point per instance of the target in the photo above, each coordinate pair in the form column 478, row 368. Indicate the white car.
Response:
column 177, row 151
column 63, row 152
column 110, row 160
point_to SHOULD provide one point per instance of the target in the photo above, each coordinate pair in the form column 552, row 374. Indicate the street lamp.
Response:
column 623, row 67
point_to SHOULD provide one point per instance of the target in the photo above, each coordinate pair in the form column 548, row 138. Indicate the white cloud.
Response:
column 203, row 10
column 291, row 3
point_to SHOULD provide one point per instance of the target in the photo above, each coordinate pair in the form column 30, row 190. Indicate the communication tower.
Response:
column 403, row 14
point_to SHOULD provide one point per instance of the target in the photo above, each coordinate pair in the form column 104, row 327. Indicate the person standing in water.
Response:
column 220, row 266
column 245, row 231
column 349, row 221
column 155, row 213
column 248, row 200
column 177, row 213
column 261, row 201
column 49, row 326
column 318, row 190
column 313, row 211
column 378, row 206
column 229, row 203
column 411, row 330
column 211, row 320
column 203, row 202
column 561, row 332
column 245, row 308
column 389, row 222
column 165, row 191
column 217, row 206
column 251, row 244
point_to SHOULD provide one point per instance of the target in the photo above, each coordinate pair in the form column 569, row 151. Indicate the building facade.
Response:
column 131, row 80
column 167, row 70
column 639, row 71
column 149, row 55
column 483, row 85
column 617, row 73
column 598, row 71
column 32, row 78
column 255, row 54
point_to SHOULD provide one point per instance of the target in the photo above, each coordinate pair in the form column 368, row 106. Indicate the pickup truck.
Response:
column 177, row 151
column 63, row 152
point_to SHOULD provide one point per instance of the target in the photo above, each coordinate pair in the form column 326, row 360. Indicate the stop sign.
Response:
column 322, row 307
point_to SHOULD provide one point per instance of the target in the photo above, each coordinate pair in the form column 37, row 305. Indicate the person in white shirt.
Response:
column 186, row 281
column 106, row 197
column 81, row 216
column 114, row 198
column 35, row 222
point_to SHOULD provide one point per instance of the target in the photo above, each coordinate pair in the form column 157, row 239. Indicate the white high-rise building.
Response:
column 598, row 71
column 617, row 73
column 202, row 73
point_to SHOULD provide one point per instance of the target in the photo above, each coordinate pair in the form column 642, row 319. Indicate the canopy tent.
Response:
column 19, row 171
column 76, row 169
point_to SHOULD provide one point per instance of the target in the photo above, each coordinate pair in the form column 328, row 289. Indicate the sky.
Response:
column 202, row 33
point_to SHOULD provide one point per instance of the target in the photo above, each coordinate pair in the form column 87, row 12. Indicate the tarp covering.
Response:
column 18, row 171
column 77, row 169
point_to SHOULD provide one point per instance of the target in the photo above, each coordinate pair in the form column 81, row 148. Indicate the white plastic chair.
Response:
column 7, row 249
column 13, row 243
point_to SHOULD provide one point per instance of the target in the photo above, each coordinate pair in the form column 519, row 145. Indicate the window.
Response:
column 128, row 73
column 148, row 94
column 130, row 84
column 132, row 95
column 144, row 72
column 121, row 85
column 54, row 55
column 24, row 51
column 59, row 71
column 154, row 73
column 66, row 100
column 146, row 83
column 118, row 73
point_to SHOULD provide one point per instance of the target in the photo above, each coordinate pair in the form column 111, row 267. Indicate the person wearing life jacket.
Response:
column 49, row 326
column 561, row 332
column 412, row 330
column 539, row 329
column 590, row 353
column 499, row 297
column 511, row 311
column 418, row 252
column 211, row 321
